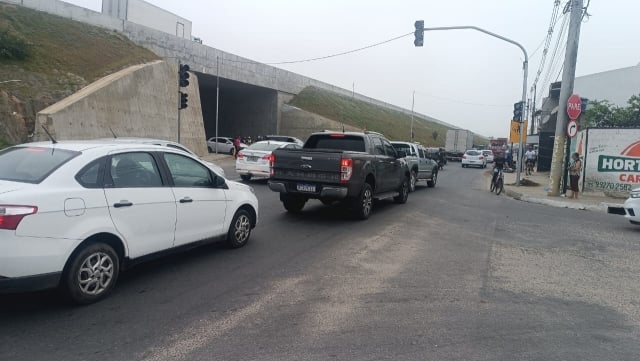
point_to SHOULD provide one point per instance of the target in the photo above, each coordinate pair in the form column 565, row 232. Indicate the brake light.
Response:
column 272, row 161
column 10, row 216
column 240, row 155
column 267, row 157
column 337, row 135
column 464, row 156
column 481, row 157
column 346, row 169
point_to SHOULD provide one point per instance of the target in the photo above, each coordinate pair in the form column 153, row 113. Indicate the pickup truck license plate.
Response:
column 306, row 187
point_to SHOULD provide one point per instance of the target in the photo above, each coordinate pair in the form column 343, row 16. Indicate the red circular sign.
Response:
column 574, row 106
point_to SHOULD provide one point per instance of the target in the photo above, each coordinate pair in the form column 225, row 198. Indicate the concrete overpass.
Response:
column 252, row 94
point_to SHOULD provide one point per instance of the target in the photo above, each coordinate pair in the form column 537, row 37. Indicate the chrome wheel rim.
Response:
column 242, row 229
column 366, row 202
column 96, row 273
column 435, row 178
column 413, row 180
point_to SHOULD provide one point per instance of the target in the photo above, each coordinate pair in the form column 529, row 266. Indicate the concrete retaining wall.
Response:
column 133, row 102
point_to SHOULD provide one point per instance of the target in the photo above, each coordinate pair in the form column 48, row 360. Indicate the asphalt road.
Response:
column 457, row 273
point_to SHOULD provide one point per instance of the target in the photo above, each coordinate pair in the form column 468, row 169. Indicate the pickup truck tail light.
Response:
column 272, row 161
column 346, row 169
column 10, row 216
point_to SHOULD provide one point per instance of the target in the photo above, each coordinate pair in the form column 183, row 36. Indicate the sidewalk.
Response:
column 533, row 189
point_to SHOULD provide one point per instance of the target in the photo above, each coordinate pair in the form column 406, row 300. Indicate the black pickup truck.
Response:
column 353, row 168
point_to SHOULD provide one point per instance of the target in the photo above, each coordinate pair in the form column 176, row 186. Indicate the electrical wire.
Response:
column 553, row 63
column 326, row 56
column 547, row 41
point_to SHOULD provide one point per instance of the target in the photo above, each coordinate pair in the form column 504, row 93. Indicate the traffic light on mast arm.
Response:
column 183, row 100
column 517, row 111
column 183, row 73
column 419, row 33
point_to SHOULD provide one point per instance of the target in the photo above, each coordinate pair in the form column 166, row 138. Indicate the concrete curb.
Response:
column 602, row 207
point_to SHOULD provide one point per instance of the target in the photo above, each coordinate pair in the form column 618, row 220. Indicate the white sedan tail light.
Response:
column 10, row 216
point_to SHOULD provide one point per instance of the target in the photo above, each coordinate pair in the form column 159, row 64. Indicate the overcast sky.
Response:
column 462, row 77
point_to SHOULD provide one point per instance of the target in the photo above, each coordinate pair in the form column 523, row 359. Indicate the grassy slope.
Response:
column 393, row 124
column 66, row 56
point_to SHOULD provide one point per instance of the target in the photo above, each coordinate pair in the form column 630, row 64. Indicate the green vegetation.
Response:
column 393, row 124
column 62, row 46
column 602, row 113
column 13, row 47
column 53, row 57
column 4, row 143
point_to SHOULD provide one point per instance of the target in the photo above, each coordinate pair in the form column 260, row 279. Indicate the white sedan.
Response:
column 72, row 214
column 632, row 207
column 474, row 158
column 255, row 160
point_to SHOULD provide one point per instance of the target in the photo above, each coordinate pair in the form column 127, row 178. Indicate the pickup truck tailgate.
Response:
column 306, row 165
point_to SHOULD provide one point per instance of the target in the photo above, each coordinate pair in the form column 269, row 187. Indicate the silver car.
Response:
column 224, row 144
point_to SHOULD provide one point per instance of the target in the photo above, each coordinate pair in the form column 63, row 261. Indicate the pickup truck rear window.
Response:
column 347, row 142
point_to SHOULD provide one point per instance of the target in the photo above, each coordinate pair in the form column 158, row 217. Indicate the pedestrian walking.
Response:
column 575, row 168
column 236, row 145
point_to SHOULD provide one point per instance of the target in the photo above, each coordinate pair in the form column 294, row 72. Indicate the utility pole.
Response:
column 568, row 78
column 413, row 100
column 217, row 97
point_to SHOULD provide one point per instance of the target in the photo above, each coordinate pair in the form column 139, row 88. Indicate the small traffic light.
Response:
column 517, row 111
column 183, row 100
column 183, row 73
column 419, row 33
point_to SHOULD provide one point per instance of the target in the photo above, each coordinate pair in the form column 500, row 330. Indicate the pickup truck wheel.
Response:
column 404, row 192
column 293, row 204
column 363, row 203
column 432, row 182
column 414, row 180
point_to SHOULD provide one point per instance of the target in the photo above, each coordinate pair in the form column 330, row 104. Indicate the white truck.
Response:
column 457, row 142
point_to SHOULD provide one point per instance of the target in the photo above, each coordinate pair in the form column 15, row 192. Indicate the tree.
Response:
column 602, row 113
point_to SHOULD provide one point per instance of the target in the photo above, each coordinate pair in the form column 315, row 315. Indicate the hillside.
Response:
column 53, row 57
column 393, row 124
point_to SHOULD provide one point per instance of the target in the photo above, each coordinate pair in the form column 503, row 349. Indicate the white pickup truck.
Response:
column 422, row 167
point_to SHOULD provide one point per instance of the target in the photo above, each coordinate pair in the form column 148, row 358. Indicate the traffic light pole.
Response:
column 179, row 99
column 525, row 70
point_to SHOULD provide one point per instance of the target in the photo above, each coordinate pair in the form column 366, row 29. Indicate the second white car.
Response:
column 255, row 160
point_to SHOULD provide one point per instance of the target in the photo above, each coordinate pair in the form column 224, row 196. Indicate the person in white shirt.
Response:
column 530, row 157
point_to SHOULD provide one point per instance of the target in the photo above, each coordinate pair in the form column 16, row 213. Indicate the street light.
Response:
column 525, row 66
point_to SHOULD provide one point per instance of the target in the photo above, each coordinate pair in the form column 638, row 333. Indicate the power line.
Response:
column 326, row 56
column 553, row 63
column 547, row 40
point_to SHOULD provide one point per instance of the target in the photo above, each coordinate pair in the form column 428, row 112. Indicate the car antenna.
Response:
column 49, row 134
column 114, row 134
